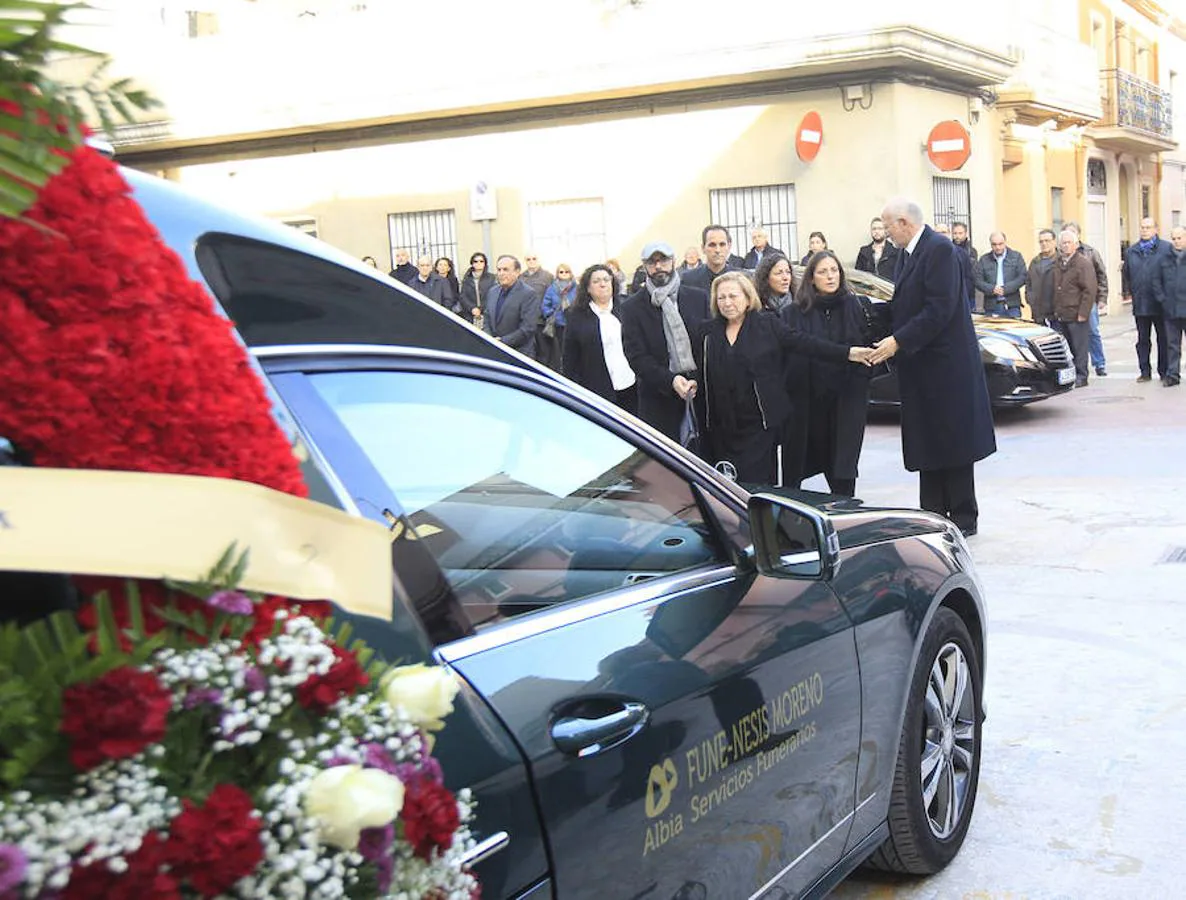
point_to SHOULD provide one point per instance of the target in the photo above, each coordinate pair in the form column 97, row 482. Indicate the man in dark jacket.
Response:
column 1136, row 280
column 1039, row 279
column 404, row 270
column 879, row 256
column 946, row 415
column 428, row 283
column 1000, row 275
column 1096, row 343
column 760, row 250
column 718, row 258
column 1074, row 298
column 512, row 308
column 658, row 324
column 1170, row 289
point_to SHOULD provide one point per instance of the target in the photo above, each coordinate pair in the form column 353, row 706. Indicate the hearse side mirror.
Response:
column 792, row 541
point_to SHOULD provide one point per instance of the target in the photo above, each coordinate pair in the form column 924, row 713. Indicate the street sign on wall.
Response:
column 809, row 136
column 948, row 146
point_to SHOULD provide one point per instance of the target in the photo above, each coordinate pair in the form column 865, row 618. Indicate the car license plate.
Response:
column 1066, row 376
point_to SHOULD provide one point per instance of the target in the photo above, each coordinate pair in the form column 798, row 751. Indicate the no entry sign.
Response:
column 809, row 136
column 949, row 146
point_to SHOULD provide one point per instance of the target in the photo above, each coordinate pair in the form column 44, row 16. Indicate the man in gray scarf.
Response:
column 659, row 321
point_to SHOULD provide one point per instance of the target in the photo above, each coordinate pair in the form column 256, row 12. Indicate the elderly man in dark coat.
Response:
column 659, row 321
column 1136, row 277
column 512, row 308
column 946, row 415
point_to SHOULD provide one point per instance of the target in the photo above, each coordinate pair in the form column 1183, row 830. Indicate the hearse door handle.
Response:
column 583, row 736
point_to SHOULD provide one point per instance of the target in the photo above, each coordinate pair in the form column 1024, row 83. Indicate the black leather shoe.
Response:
column 1143, row 378
column 1101, row 371
column 1080, row 382
column 968, row 531
column 1170, row 381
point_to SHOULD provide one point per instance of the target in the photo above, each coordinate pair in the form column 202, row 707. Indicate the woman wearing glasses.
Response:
column 557, row 299
column 593, row 354
column 475, row 284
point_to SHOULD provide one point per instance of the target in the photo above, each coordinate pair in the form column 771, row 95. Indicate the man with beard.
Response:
column 879, row 256
column 946, row 415
column 658, row 323
column 718, row 258
column 1039, row 281
column 959, row 237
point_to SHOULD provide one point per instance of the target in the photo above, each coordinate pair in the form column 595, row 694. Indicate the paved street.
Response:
column 1082, row 551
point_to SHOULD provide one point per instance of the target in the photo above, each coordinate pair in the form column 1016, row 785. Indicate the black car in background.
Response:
column 673, row 688
column 1023, row 361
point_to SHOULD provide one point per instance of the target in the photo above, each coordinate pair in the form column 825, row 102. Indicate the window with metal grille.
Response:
column 567, row 231
column 741, row 209
column 431, row 232
column 1145, row 204
column 953, row 201
column 305, row 224
column 1097, row 178
column 1056, row 218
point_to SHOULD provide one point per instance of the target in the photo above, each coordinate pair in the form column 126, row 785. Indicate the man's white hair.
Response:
column 904, row 208
column 1068, row 234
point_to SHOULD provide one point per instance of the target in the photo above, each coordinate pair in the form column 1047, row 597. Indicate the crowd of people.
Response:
column 774, row 375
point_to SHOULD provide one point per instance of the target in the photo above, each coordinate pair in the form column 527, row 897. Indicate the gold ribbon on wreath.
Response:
column 147, row 525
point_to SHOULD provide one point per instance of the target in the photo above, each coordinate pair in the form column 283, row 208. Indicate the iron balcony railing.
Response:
column 1132, row 102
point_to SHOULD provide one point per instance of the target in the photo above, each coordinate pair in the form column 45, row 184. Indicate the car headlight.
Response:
column 1003, row 349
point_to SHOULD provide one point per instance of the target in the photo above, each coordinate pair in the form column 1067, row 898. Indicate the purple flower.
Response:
column 340, row 759
column 200, row 696
column 375, row 846
column 427, row 769
column 376, row 757
column 255, row 680
column 12, row 867
column 232, row 602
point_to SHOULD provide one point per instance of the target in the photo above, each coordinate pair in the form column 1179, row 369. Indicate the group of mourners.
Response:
column 773, row 376
column 761, row 367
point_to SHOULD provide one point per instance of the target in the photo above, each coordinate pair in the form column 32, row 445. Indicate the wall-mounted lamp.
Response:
column 975, row 108
column 854, row 95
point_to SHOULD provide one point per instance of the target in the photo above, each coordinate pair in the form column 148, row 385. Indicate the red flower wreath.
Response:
column 111, row 357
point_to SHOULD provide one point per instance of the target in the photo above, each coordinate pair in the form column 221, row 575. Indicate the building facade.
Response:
column 585, row 128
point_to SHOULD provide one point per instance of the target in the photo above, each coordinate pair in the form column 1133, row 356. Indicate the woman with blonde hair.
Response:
column 741, row 357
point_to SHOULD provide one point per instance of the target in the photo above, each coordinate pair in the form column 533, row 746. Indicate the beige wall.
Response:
column 653, row 173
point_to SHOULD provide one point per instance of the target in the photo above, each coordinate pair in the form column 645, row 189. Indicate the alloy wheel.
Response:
column 949, row 740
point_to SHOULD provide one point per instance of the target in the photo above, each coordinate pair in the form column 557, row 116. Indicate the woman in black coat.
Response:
column 826, row 434
column 475, row 285
column 452, row 296
column 593, row 356
column 741, row 354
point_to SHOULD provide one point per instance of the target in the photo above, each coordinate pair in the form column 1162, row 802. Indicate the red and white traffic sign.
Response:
column 808, row 136
column 949, row 145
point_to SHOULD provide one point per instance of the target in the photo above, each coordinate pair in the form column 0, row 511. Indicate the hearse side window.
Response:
column 523, row 503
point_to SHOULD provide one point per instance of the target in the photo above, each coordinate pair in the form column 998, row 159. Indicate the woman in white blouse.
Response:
column 593, row 354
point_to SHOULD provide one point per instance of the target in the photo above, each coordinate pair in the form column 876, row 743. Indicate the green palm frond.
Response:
column 40, row 117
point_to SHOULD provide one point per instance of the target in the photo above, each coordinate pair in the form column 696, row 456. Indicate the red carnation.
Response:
column 319, row 692
column 145, row 878
column 430, row 817
column 213, row 846
column 115, row 716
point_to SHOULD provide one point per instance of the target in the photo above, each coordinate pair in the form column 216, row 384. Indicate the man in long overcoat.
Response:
column 946, row 415
column 658, row 322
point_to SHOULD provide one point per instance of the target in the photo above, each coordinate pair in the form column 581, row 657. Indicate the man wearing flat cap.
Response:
column 659, row 322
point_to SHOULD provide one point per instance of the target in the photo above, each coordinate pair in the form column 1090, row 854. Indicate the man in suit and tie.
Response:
column 946, row 414
column 512, row 308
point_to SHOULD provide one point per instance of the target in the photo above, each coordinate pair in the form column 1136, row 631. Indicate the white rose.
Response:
column 424, row 693
column 346, row 799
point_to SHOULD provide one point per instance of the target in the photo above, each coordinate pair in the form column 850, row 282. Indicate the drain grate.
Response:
column 1173, row 555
